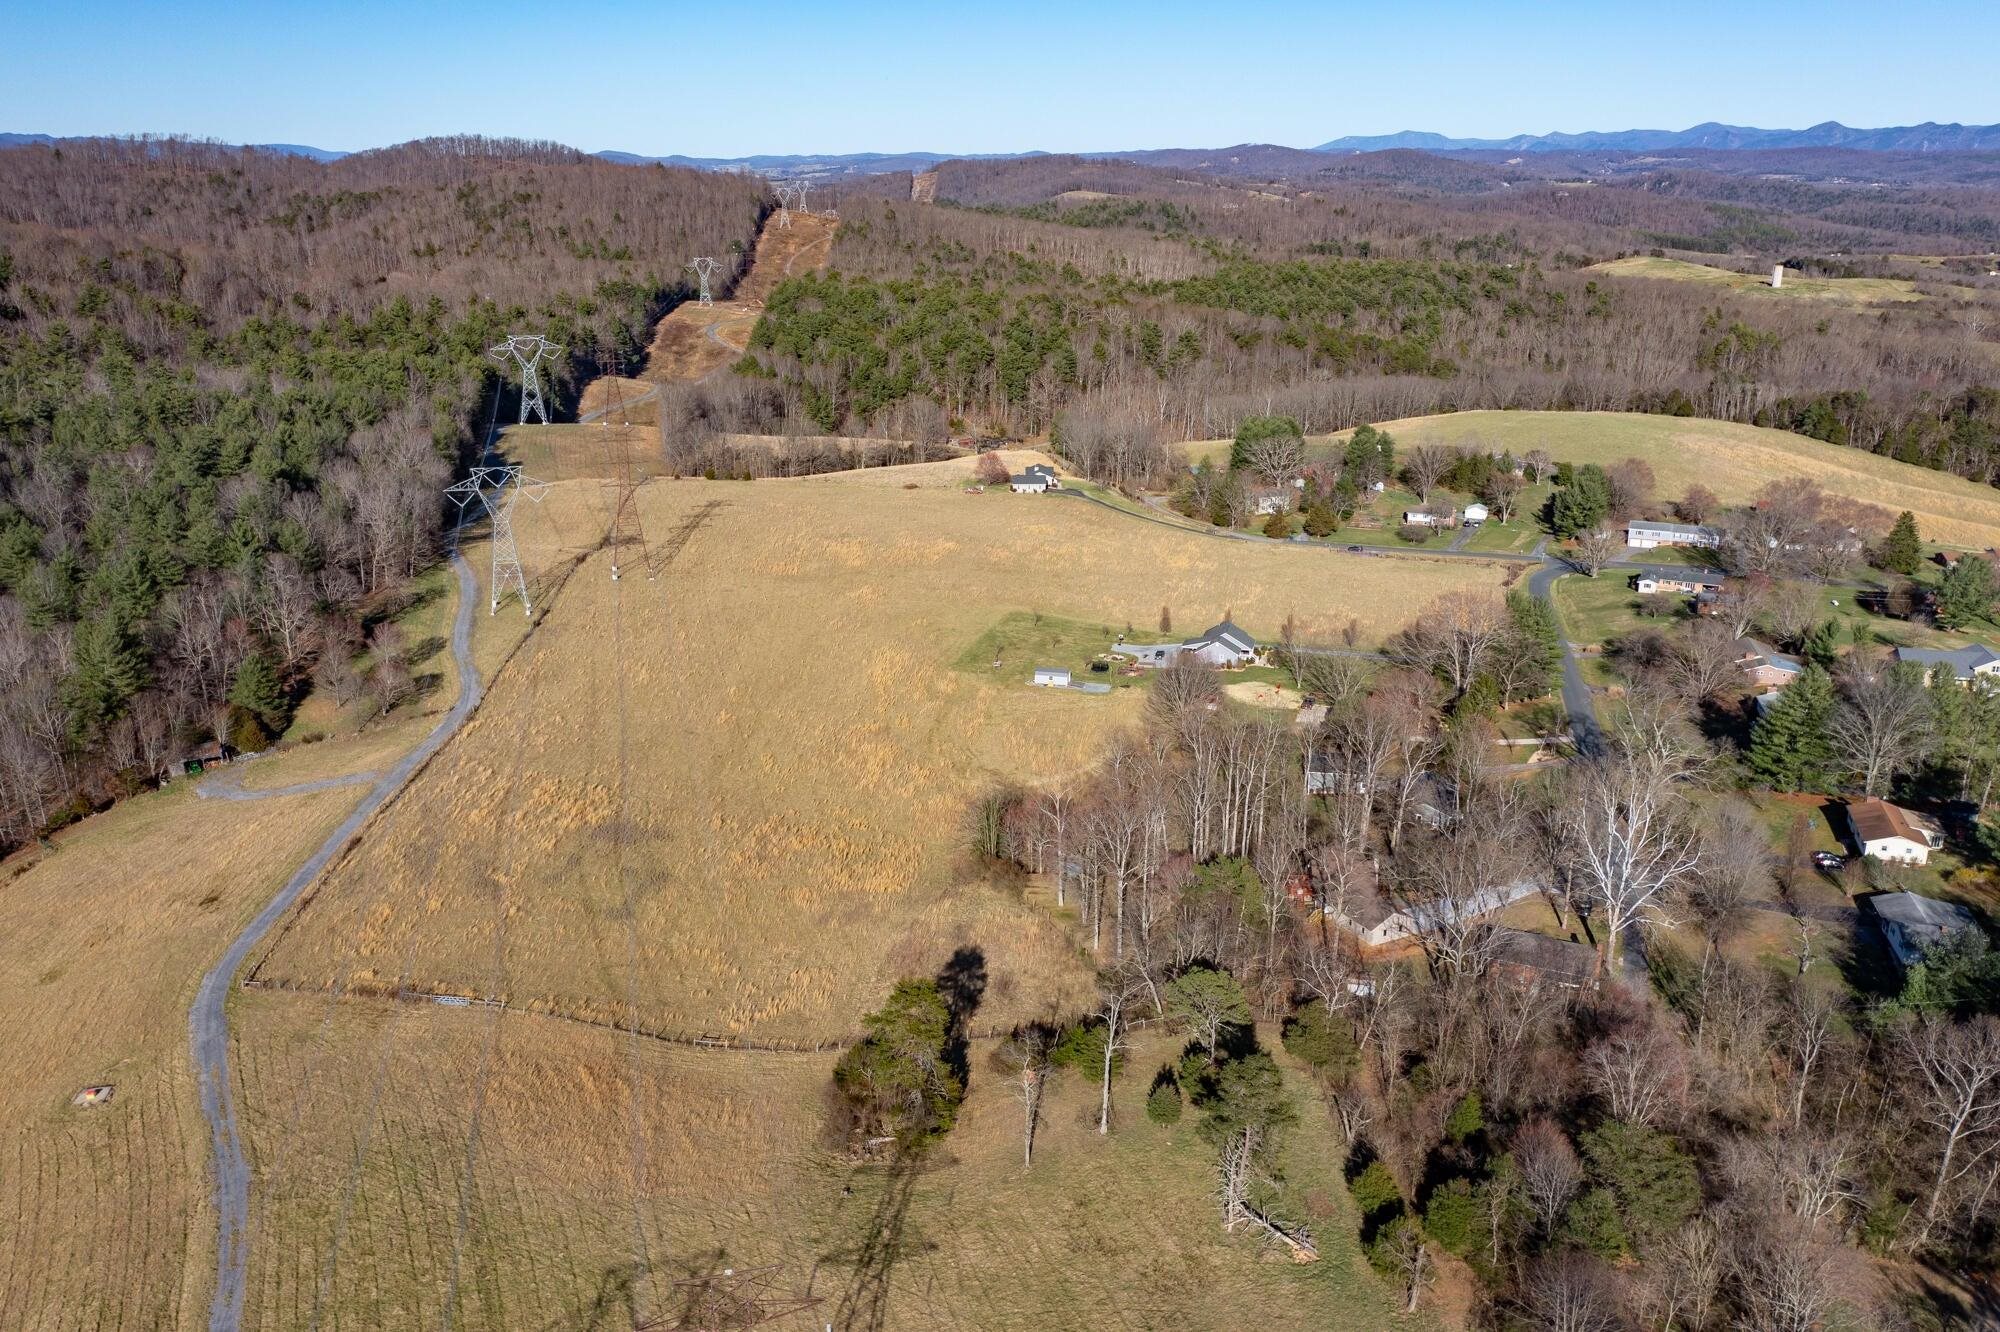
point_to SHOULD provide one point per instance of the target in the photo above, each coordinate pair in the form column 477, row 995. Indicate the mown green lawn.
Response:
column 1597, row 610
column 1022, row 641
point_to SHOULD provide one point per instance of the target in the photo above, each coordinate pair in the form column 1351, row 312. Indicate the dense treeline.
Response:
column 1006, row 322
column 232, row 385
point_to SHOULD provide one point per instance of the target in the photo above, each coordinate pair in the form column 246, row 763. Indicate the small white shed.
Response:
column 1051, row 677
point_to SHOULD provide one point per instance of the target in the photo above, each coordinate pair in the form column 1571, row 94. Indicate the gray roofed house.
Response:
column 1224, row 644
column 1528, row 958
column 1647, row 535
column 1912, row 923
column 1964, row 664
column 1765, row 665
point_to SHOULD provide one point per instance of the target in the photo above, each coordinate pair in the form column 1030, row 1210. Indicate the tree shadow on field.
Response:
column 962, row 983
column 615, row 1306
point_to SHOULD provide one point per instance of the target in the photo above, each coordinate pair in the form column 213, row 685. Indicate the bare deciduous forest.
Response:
column 232, row 384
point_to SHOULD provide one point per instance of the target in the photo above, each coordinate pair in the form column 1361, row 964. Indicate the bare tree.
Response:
column 1593, row 550
column 1883, row 725
column 1640, row 1070
column 1277, row 457
column 1425, row 465
column 1454, row 636
column 1631, row 482
column 1631, row 840
column 1686, row 1277
column 1550, row 1171
column 1734, row 868
column 1783, row 1274
column 1807, row 1030
column 1957, row 1093
column 1117, row 991
column 1697, row 505
column 1570, row 1292
column 1024, row 1058
column 1502, row 493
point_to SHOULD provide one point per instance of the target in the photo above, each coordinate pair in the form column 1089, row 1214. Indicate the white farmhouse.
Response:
column 1890, row 832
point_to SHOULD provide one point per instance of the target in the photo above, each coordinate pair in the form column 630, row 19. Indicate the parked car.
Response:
column 1827, row 861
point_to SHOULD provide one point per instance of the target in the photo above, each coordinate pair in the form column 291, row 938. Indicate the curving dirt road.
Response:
column 208, row 1021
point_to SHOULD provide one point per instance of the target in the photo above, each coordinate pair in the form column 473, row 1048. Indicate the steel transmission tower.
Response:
column 704, row 268
column 788, row 198
column 804, row 188
column 528, row 351
column 497, row 490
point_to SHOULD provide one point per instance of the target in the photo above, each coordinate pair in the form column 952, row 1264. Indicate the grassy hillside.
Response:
column 1848, row 291
column 781, row 810
column 771, row 838
column 1734, row 461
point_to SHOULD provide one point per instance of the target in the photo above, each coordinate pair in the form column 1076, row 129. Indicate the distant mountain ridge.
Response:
column 1710, row 136
column 1929, row 137
column 288, row 149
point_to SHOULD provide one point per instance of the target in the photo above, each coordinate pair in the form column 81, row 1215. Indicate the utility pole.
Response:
column 507, row 486
column 621, row 487
column 528, row 351
column 705, row 268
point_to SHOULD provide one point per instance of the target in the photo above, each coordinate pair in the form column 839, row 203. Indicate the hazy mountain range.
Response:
column 1711, row 136
column 1928, row 137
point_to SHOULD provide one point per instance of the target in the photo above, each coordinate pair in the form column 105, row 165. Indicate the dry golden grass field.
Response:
column 104, row 1217
column 777, row 814
column 781, row 817
column 784, row 807
column 516, row 1172
column 1846, row 291
column 620, row 399
column 1734, row 461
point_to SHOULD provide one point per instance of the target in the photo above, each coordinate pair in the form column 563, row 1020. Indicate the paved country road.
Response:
column 208, row 1022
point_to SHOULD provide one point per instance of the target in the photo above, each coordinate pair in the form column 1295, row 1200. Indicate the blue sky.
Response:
column 838, row 77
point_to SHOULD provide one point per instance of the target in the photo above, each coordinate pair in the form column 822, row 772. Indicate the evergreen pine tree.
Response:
column 1789, row 748
column 1901, row 549
column 257, row 690
column 1537, row 640
column 1966, row 592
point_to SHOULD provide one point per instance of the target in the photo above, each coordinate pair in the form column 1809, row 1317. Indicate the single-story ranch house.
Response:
column 1224, row 644
column 1691, row 584
column 1964, row 664
column 1648, row 535
column 1912, row 923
